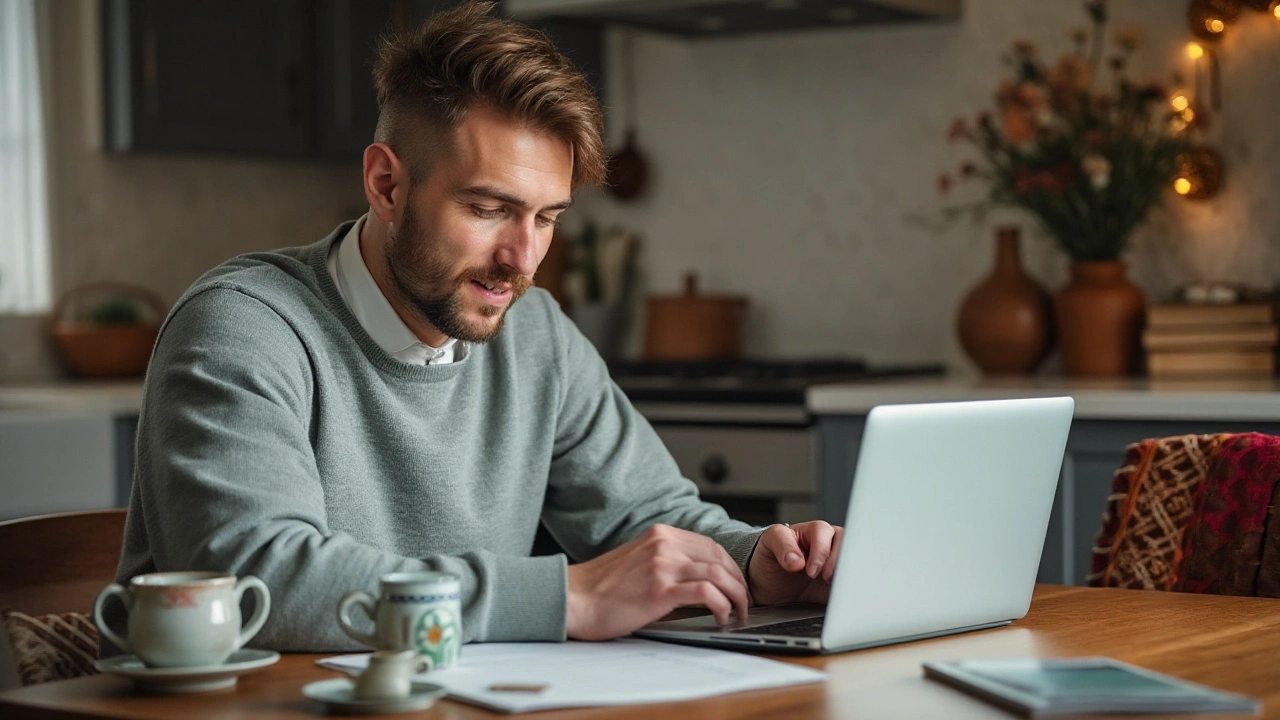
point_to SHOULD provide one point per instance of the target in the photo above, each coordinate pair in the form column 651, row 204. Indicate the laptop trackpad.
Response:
column 756, row 617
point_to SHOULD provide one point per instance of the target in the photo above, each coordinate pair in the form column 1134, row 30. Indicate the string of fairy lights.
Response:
column 1200, row 172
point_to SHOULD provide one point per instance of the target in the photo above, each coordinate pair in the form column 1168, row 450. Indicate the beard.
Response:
column 423, row 279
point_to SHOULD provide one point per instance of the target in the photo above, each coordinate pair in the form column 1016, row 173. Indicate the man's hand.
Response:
column 640, row 582
column 794, row 564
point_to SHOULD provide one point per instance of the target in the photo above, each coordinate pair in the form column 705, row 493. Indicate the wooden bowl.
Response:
column 106, row 350
column 93, row 350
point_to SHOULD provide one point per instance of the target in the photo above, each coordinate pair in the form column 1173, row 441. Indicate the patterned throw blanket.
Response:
column 51, row 647
column 1191, row 513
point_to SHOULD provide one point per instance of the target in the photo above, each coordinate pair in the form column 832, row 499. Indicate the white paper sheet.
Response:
column 580, row 674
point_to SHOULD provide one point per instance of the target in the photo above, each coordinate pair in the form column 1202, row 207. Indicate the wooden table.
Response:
column 1226, row 642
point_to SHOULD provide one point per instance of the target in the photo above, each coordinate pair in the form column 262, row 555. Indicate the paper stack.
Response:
column 522, row 677
column 1201, row 341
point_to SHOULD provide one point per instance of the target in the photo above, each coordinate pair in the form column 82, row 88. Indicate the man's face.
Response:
column 474, row 231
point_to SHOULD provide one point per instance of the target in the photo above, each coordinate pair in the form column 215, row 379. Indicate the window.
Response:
column 24, row 214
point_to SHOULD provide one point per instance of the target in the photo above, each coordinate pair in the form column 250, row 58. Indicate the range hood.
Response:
column 713, row 18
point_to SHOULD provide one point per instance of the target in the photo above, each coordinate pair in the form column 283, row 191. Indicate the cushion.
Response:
column 1152, row 501
column 52, row 647
column 1192, row 513
column 1223, row 545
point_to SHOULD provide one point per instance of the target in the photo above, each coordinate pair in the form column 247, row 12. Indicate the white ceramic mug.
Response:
column 390, row 674
column 419, row 611
column 184, row 619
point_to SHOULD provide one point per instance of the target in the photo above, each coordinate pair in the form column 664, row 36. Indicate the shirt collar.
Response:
column 368, row 304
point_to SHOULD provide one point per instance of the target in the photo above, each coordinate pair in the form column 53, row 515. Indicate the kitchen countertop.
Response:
column 1133, row 398
column 1130, row 398
column 120, row 397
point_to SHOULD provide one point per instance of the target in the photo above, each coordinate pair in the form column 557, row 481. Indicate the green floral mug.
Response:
column 419, row 611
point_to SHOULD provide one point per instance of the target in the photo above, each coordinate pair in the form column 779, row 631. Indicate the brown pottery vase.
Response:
column 1005, row 322
column 1099, row 315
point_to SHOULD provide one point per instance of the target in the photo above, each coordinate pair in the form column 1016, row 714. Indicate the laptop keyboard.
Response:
column 808, row 627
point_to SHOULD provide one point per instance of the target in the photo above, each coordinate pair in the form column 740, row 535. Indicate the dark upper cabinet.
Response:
column 287, row 78
column 226, row 76
column 581, row 42
column 348, row 32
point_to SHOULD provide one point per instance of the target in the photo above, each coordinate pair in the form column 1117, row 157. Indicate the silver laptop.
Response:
column 947, row 516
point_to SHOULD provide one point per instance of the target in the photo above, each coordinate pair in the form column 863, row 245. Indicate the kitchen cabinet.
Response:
column 55, row 461
column 347, row 36
column 66, row 446
column 287, row 78
column 1095, row 449
column 581, row 42
column 124, row 437
column 233, row 76
column 721, row 18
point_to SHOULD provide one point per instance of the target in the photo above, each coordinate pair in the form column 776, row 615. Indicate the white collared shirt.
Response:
column 365, row 300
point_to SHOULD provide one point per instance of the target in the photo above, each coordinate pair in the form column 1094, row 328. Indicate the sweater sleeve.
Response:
column 611, row 476
column 227, row 480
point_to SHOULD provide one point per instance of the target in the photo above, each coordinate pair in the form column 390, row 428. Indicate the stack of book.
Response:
column 1211, row 340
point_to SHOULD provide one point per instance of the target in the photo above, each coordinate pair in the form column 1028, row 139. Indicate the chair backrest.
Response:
column 58, row 563
column 1192, row 513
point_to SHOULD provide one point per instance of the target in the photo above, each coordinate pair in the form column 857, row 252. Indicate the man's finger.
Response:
column 732, row 588
column 703, row 592
column 692, row 547
column 817, row 535
column 704, row 549
column 829, row 570
column 781, row 542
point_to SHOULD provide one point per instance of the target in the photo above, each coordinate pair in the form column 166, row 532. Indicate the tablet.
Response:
column 1078, row 686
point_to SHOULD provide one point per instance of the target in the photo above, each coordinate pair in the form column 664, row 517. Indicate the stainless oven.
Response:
column 758, row 461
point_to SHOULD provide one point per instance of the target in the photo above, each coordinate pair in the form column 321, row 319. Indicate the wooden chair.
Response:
column 1193, row 513
column 56, row 564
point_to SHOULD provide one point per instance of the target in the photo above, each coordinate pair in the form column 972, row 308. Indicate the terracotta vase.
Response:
column 1099, row 316
column 1005, row 322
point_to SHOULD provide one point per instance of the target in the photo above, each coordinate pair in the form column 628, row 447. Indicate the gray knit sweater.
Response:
column 278, row 440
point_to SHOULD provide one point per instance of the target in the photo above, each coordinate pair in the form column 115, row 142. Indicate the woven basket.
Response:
column 102, row 350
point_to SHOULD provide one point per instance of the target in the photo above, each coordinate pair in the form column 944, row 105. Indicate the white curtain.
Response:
column 24, row 216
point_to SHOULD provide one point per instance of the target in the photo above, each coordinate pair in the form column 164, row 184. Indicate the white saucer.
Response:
column 338, row 695
column 189, row 679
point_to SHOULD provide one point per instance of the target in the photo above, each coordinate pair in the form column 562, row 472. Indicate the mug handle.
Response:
column 126, row 597
column 260, row 609
column 364, row 600
column 422, row 664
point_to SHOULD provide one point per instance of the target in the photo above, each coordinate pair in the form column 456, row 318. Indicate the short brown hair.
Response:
column 429, row 78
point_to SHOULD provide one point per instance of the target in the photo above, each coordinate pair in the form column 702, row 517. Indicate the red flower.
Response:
column 958, row 131
column 968, row 169
column 1025, row 182
column 944, row 183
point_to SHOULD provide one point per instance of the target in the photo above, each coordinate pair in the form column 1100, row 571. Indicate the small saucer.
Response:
column 338, row 695
column 189, row 679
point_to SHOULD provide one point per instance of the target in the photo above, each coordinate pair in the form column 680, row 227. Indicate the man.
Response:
column 378, row 402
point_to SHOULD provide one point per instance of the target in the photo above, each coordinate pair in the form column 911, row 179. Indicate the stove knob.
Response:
column 715, row 470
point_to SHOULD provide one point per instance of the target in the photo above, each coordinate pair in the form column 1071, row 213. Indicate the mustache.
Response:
column 495, row 276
